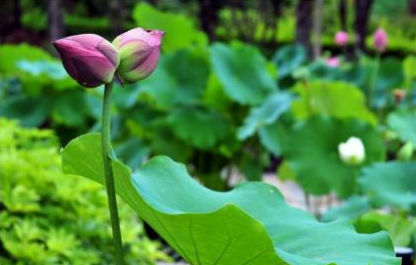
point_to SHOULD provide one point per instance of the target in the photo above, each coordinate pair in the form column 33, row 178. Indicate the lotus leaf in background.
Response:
column 288, row 59
column 182, row 31
column 311, row 149
column 249, row 225
column 34, row 67
column 265, row 114
column 351, row 209
column 36, row 89
column 321, row 70
column 29, row 110
column 403, row 122
column 243, row 71
column 390, row 76
column 132, row 152
column 337, row 99
column 175, row 83
column 202, row 128
column 274, row 136
column 400, row 228
column 392, row 184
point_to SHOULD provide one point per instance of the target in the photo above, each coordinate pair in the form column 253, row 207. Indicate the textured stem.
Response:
column 109, row 179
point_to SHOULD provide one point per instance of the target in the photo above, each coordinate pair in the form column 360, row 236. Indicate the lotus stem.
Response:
column 109, row 178
column 373, row 80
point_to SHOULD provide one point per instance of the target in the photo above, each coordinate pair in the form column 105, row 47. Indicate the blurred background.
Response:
column 244, row 91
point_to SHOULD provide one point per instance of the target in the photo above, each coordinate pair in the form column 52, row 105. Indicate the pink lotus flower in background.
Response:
column 139, row 51
column 380, row 40
column 88, row 58
column 332, row 62
column 341, row 38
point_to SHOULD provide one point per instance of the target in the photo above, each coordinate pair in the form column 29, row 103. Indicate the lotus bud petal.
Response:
column 341, row 38
column 88, row 58
column 139, row 51
column 352, row 152
column 380, row 40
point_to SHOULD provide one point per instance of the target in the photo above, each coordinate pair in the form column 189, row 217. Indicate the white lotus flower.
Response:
column 352, row 152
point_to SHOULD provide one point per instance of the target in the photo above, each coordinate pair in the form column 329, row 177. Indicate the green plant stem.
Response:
column 109, row 179
column 373, row 80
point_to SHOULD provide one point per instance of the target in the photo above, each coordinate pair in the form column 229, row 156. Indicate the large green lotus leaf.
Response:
column 181, row 30
column 400, row 228
column 391, row 183
column 337, row 99
column 243, row 72
column 404, row 124
column 249, row 225
column 267, row 113
column 202, row 128
column 174, row 82
column 312, row 152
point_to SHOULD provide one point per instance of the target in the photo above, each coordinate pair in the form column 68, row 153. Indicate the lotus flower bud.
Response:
column 380, row 40
column 139, row 51
column 352, row 152
column 399, row 95
column 88, row 58
column 341, row 38
column 332, row 62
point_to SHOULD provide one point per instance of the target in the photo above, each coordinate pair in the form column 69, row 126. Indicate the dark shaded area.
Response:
column 362, row 11
column 304, row 11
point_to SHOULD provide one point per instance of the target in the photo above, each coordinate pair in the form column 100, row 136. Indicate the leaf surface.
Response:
column 249, row 225
column 242, row 70
column 336, row 99
column 267, row 113
column 404, row 124
column 391, row 183
column 311, row 149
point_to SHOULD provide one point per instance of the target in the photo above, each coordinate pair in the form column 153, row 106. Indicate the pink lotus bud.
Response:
column 88, row 58
column 139, row 53
column 341, row 38
column 332, row 62
column 380, row 40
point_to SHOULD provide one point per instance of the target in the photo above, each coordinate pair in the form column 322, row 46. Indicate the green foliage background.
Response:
column 51, row 218
column 223, row 109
